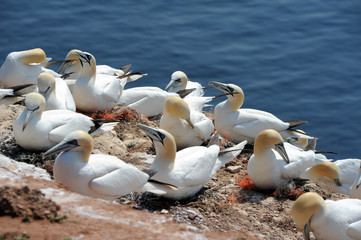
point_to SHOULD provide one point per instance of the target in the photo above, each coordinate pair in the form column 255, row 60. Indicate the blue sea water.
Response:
column 295, row 59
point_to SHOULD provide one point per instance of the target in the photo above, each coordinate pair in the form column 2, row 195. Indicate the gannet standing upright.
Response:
column 56, row 92
column 338, row 176
column 245, row 124
column 96, row 175
column 188, row 127
column 188, row 169
column 38, row 130
column 23, row 67
column 266, row 169
column 180, row 81
column 328, row 220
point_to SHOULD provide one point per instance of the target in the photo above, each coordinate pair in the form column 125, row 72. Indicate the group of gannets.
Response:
column 49, row 123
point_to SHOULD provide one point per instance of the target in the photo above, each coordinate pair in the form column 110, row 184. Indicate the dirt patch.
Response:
column 29, row 204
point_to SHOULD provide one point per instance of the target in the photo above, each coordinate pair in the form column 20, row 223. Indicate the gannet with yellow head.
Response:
column 189, row 168
column 180, row 81
column 245, row 124
column 97, row 175
column 23, row 67
column 38, row 130
column 270, row 166
column 188, row 127
column 56, row 92
column 338, row 176
column 327, row 219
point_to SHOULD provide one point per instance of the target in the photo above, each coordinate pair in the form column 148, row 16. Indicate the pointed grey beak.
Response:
column 65, row 66
column 172, row 83
column 61, row 147
column 153, row 133
column 222, row 87
column 28, row 116
column 45, row 93
column 338, row 182
column 306, row 231
column 280, row 148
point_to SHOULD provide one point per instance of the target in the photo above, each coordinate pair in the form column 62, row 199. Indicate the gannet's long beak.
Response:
column 153, row 133
column 338, row 182
column 62, row 146
column 173, row 83
column 29, row 114
column 227, row 90
column 45, row 93
column 280, row 148
column 306, row 231
column 359, row 181
column 66, row 64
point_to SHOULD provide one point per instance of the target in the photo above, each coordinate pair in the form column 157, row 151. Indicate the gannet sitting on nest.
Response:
column 191, row 168
column 269, row 170
column 38, row 130
column 188, row 127
column 97, row 175
column 55, row 91
column 23, row 67
column 327, row 219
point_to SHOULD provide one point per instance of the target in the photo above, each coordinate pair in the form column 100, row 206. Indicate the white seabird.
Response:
column 269, row 170
column 327, row 219
column 188, row 127
column 338, row 176
column 38, row 130
column 179, row 81
column 245, row 124
column 189, row 168
column 56, row 92
column 97, row 175
column 148, row 101
column 22, row 68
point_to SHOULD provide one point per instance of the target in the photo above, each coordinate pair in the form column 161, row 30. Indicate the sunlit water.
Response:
column 295, row 59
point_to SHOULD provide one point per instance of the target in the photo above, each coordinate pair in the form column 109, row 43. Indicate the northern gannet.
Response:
column 55, row 91
column 188, row 169
column 23, row 67
column 38, row 130
column 327, row 219
column 96, row 175
column 269, row 170
column 245, row 124
column 95, row 92
column 180, row 81
column 72, row 66
column 338, row 176
column 188, row 127
column 148, row 101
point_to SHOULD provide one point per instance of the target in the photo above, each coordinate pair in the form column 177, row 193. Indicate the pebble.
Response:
column 234, row 169
column 164, row 211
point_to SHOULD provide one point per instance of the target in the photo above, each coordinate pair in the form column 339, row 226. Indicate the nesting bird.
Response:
column 23, row 67
column 338, row 176
column 190, row 168
column 327, row 219
column 56, row 92
column 38, row 130
column 188, row 127
column 269, row 167
column 97, row 175
column 245, row 124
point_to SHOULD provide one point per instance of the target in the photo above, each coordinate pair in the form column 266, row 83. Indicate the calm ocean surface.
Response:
column 295, row 59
